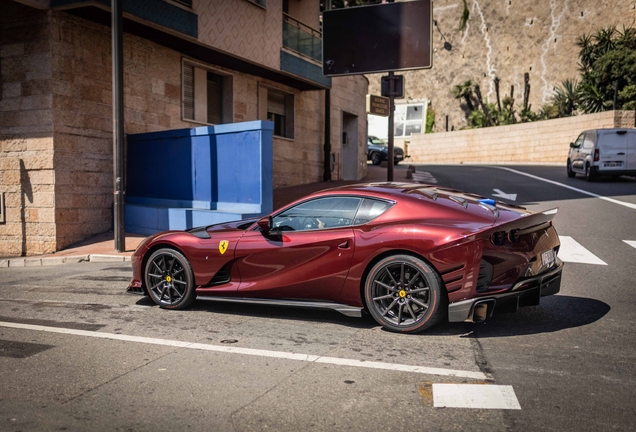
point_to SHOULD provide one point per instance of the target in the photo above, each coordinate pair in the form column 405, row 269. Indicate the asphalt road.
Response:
column 77, row 353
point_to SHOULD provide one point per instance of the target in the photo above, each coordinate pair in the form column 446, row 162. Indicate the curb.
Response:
column 36, row 262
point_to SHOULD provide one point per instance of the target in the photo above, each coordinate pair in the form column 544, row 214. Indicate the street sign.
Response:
column 398, row 86
column 378, row 105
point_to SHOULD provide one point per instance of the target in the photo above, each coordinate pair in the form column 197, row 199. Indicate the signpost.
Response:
column 379, row 38
column 378, row 105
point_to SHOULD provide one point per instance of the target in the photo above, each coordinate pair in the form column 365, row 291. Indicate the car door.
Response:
column 577, row 156
column 306, row 254
column 612, row 147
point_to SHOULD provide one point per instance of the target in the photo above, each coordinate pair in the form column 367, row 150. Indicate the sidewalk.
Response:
column 101, row 248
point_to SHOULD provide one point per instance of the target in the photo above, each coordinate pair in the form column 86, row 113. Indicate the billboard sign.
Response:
column 378, row 38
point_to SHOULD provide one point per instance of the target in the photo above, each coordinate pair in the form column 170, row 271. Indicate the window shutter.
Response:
column 215, row 98
column 188, row 92
column 276, row 103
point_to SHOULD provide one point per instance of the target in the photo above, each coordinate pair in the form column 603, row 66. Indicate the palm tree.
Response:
column 465, row 91
column 590, row 97
column 565, row 98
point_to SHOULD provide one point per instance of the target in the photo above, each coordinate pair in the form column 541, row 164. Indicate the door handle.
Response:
column 344, row 245
column 621, row 153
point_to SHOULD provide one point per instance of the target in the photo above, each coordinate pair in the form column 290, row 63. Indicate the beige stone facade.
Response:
column 541, row 142
column 56, row 145
column 505, row 39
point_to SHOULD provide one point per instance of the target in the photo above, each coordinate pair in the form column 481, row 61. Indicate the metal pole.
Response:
column 389, row 171
column 615, row 95
column 326, row 176
column 118, row 126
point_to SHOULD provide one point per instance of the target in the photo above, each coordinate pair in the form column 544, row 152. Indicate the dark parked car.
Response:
column 411, row 255
column 378, row 151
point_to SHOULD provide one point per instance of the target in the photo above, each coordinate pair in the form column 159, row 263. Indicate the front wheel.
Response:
column 376, row 159
column 570, row 172
column 169, row 279
column 404, row 294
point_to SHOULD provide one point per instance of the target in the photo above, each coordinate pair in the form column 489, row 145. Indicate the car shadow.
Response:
column 554, row 314
column 276, row 312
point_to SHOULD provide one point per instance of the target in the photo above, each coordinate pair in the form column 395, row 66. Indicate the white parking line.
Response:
column 254, row 352
column 573, row 251
column 612, row 200
column 481, row 396
column 632, row 243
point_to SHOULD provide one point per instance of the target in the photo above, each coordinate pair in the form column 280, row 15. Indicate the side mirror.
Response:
column 265, row 224
column 572, row 145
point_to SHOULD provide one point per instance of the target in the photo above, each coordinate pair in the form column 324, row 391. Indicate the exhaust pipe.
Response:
column 482, row 310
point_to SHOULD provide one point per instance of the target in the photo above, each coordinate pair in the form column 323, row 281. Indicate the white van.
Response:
column 597, row 152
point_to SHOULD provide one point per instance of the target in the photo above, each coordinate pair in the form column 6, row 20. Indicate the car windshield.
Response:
column 376, row 141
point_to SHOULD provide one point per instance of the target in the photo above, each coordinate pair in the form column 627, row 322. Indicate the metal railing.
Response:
column 301, row 38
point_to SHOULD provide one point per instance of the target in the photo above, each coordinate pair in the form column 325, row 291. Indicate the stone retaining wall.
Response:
column 537, row 142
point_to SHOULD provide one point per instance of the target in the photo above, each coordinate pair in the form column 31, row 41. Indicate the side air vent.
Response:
column 485, row 276
column 221, row 277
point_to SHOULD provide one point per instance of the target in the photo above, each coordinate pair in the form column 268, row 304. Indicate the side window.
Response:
column 371, row 209
column 320, row 213
column 579, row 140
column 590, row 140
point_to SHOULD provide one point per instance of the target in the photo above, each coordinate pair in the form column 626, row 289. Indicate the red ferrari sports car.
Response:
column 410, row 254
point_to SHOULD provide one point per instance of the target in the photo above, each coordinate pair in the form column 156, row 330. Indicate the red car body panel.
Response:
column 450, row 229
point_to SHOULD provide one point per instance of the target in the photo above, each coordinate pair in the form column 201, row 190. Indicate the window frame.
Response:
column 406, row 122
column 290, row 109
column 227, row 93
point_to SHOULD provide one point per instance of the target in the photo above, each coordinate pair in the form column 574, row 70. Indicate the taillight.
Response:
column 596, row 155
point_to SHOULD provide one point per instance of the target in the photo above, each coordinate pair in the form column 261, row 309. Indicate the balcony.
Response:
column 301, row 38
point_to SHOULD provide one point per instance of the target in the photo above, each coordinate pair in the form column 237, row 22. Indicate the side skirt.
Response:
column 351, row 311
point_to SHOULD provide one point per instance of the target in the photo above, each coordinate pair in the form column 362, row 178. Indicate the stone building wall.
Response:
column 505, row 39
column 541, row 142
column 56, row 155
column 26, row 131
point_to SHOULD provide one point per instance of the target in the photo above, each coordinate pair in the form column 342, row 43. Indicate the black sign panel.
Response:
column 378, row 38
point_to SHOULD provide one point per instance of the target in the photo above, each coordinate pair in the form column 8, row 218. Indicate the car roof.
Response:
column 437, row 198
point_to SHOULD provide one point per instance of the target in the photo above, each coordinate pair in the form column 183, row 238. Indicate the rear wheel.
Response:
column 376, row 159
column 404, row 294
column 169, row 279
column 589, row 173
column 570, row 172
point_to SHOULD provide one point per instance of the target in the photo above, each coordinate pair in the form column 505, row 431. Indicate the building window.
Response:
column 409, row 119
column 280, row 110
column 207, row 96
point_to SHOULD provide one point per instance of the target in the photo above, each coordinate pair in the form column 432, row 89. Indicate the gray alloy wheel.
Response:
column 589, row 173
column 169, row 280
column 405, row 294
column 570, row 172
column 376, row 159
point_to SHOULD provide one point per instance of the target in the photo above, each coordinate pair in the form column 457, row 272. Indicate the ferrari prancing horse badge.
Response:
column 223, row 244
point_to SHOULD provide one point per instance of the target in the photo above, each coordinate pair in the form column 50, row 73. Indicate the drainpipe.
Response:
column 326, row 176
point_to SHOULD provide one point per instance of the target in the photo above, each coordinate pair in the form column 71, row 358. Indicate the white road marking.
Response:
column 255, row 352
column 481, row 396
column 632, row 243
column 501, row 194
column 572, row 251
column 424, row 177
column 612, row 200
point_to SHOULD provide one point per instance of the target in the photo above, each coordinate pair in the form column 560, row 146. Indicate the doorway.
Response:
column 349, row 148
